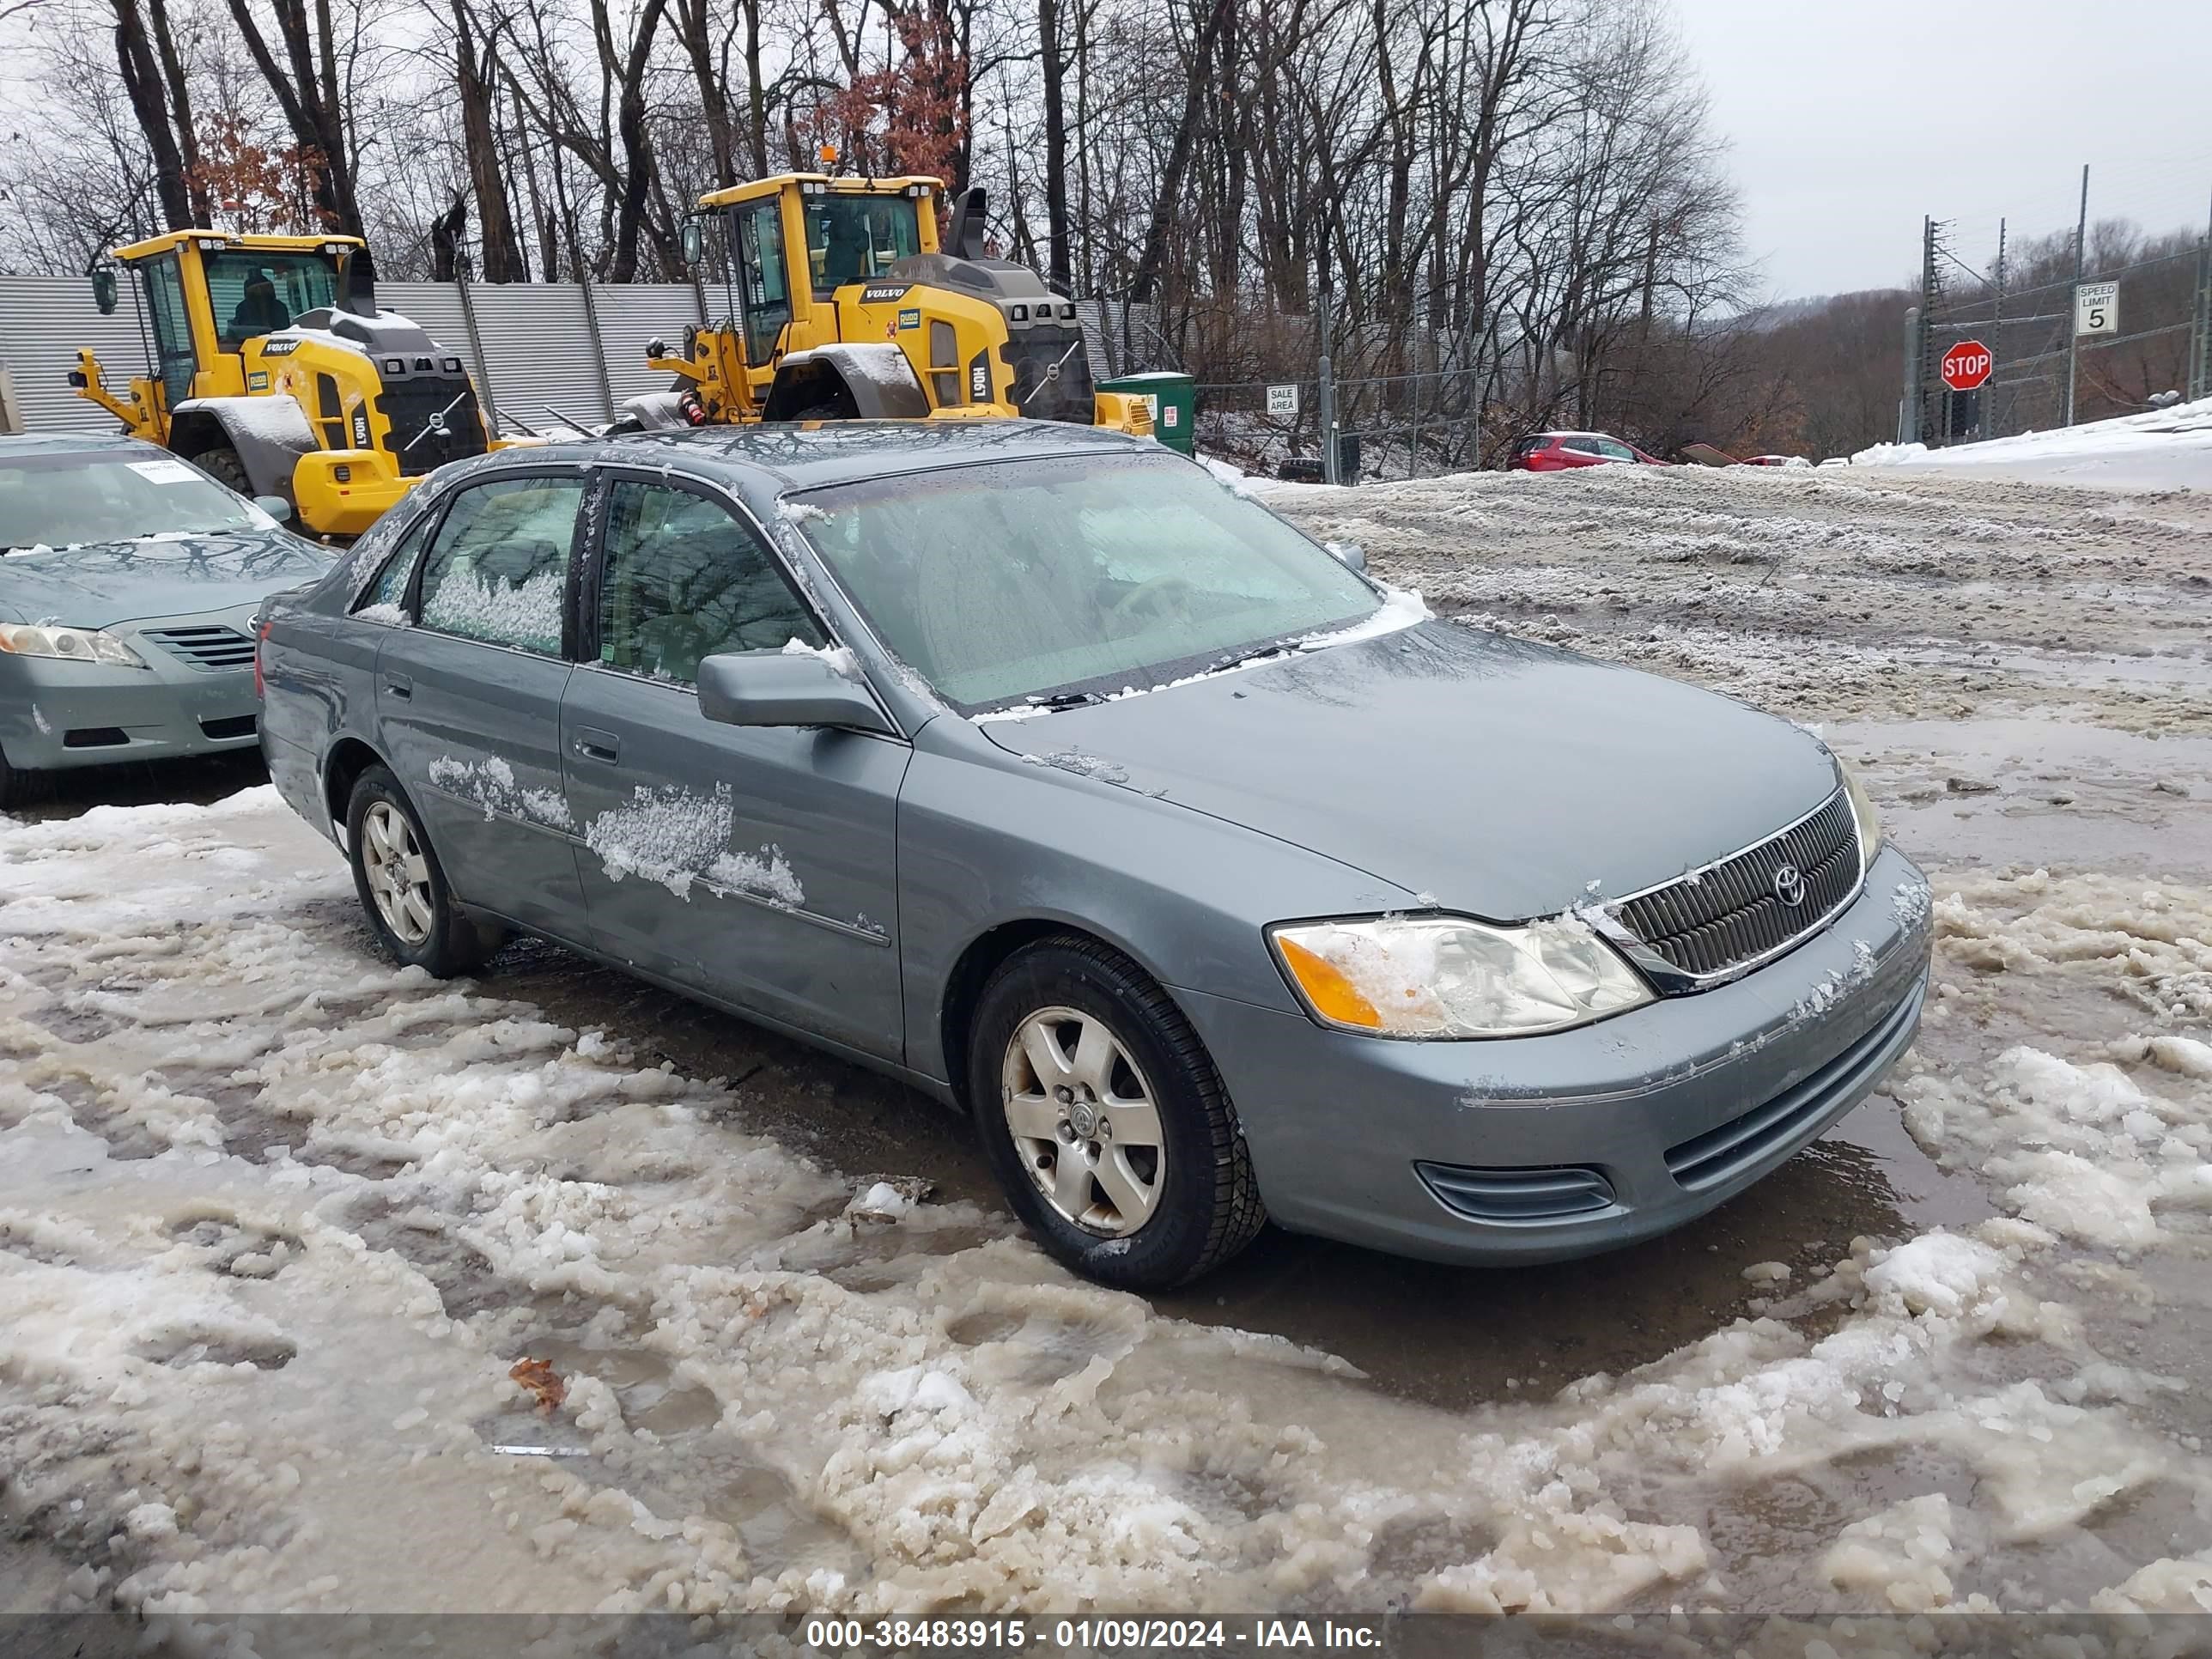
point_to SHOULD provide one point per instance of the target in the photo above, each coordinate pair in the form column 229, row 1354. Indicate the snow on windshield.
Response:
column 1003, row 581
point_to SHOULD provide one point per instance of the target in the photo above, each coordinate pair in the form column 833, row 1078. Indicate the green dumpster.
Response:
column 1174, row 399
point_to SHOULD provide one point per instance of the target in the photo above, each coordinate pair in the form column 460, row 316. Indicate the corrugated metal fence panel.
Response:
column 537, row 346
column 633, row 314
column 43, row 321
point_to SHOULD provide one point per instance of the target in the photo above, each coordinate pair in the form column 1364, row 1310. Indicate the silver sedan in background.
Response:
column 129, row 581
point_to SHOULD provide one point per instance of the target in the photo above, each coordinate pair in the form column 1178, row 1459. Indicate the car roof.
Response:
column 779, row 458
column 72, row 443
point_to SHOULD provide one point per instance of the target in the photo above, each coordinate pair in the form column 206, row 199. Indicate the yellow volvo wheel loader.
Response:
column 844, row 307
column 273, row 369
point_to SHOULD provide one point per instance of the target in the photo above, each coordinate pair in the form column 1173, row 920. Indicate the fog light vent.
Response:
column 1518, row 1195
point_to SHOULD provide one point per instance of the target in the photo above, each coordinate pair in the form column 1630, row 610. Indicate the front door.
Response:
column 753, row 865
column 764, row 278
column 175, row 363
column 469, row 697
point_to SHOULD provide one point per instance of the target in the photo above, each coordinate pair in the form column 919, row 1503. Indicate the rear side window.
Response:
column 1582, row 446
column 385, row 598
column 682, row 580
column 499, row 568
column 1530, row 446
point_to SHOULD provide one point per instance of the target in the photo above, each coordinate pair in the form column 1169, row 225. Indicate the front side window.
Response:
column 257, row 293
column 851, row 238
column 682, row 580
column 1582, row 445
column 1613, row 450
column 1013, row 579
column 387, row 596
column 499, row 569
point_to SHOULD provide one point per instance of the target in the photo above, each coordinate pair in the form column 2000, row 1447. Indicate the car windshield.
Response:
column 1017, row 580
column 118, row 496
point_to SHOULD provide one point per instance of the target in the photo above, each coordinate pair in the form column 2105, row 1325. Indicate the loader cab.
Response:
column 795, row 239
column 206, row 293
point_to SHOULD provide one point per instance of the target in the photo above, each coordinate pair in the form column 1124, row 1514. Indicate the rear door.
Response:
column 756, row 865
column 468, row 696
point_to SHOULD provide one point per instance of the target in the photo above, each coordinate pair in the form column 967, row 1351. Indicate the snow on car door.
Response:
column 469, row 698
column 753, row 865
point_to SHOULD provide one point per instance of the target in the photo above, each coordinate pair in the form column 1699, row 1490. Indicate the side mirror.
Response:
column 276, row 507
column 103, row 292
column 773, row 687
column 694, row 239
column 1351, row 554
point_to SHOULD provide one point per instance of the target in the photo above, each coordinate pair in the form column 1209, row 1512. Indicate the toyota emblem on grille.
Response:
column 1789, row 885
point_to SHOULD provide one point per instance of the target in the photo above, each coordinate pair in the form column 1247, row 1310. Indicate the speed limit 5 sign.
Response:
column 2096, row 308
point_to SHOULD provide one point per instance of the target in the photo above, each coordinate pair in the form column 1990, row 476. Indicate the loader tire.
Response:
column 222, row 463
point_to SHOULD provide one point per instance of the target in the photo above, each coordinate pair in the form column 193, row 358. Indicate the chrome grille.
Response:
column 211, row 647
column 1729, row 913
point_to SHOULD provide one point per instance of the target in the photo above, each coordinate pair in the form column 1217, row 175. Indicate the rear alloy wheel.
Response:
column 402, row 888
column 1105, row 1120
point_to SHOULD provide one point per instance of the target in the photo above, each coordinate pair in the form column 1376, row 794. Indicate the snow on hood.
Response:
column 1487, row 771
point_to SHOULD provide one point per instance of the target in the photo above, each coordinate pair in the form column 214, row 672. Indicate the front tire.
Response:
column 403, row 888
column 17, row 786
column 1105, row 1120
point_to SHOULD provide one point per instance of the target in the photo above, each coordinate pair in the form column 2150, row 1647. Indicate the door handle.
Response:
column 399, row 685
column 594, row 744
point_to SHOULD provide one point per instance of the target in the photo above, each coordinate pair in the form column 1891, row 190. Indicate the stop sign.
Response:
column 1966, row 365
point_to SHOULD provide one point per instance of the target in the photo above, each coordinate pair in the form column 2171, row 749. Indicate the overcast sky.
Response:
column 1849, row 119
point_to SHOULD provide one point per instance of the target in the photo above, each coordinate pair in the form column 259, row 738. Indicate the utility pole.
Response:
column 2074, row 319
column 1996, row 340
column 1908, row 407
column 1325, row 392
column 2200, row 357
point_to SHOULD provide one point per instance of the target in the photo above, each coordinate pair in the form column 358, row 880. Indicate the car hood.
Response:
column 99, row 584
column 1491, row 774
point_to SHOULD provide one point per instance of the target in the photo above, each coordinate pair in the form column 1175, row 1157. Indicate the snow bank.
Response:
column 2161, row 448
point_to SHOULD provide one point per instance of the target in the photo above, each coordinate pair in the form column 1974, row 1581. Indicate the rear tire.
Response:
column 222, row 464
column 1069, row 1040
column 402, row 886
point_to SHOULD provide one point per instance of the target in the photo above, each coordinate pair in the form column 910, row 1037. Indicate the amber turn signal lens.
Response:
column 1333, row 996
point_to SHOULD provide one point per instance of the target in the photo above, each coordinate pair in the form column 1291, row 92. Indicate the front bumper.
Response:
column 57, row 716
column 1542, row 1148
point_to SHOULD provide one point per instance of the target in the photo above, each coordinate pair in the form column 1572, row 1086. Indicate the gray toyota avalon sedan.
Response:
column 1031, row 765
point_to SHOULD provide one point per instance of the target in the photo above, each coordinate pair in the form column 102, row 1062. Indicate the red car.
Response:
column 1555, row 452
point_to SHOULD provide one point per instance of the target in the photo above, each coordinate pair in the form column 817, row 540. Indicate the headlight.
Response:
column 68, row 644
column 1444, row 976
column 1870, row 821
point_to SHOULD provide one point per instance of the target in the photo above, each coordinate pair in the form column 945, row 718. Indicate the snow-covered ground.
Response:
column 2158, row 449
column 278, row 1221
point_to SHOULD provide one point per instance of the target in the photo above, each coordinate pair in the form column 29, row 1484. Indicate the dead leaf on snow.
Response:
column 543, row 1383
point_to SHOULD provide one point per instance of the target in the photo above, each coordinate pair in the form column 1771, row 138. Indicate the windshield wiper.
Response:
column 1065, row 699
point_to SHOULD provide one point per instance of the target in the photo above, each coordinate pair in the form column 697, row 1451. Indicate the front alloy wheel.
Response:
column 1082, row 1116
column 1104, row 1118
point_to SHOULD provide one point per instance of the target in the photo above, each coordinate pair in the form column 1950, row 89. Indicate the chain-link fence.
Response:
column 1390, row 426
column 2147, row 340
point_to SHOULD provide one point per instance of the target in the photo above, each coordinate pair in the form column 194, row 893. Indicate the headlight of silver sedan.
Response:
column 1870, row 821
column 1445, row 977
column 67, row 644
